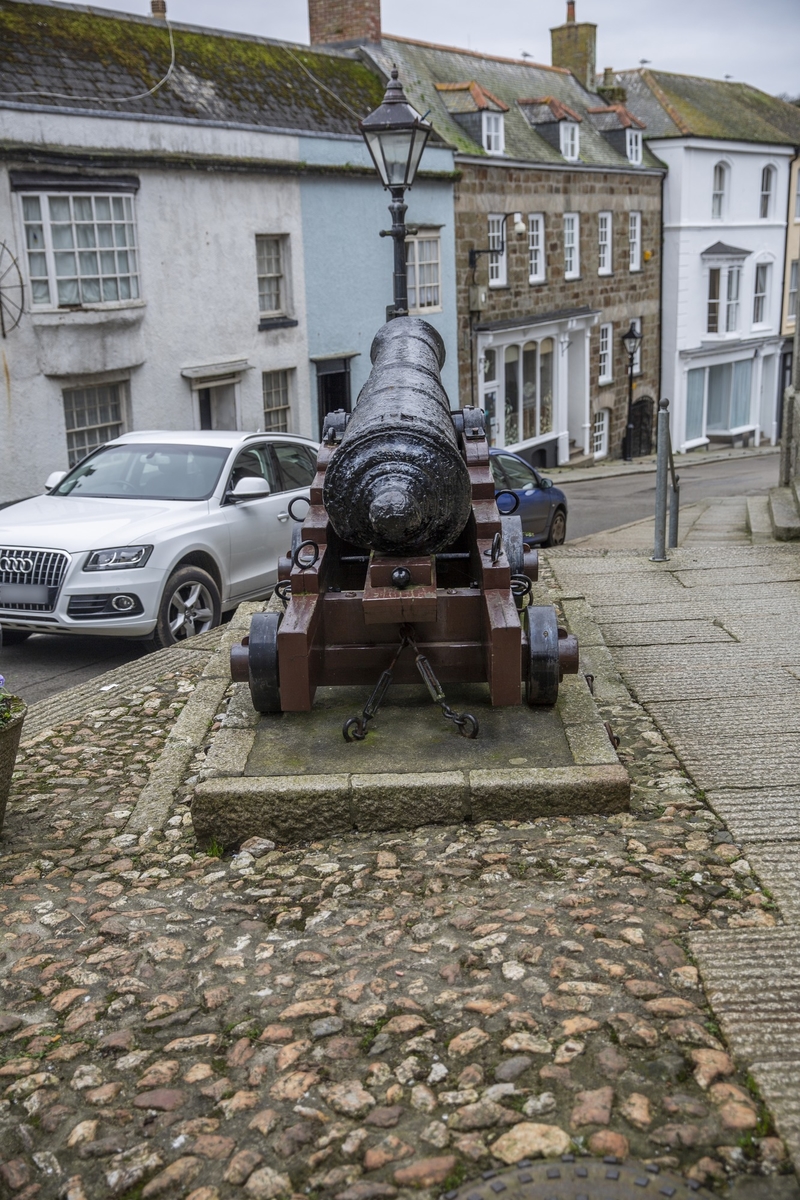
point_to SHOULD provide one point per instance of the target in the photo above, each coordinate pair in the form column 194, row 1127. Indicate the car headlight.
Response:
column 118, row 558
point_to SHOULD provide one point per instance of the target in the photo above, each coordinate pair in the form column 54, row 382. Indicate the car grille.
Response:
column 85, row 608
column 47, row 567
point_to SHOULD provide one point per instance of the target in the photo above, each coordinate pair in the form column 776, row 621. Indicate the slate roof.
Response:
column 469, row 97
column 423, row 65
column 690, row 106
column 90, row 56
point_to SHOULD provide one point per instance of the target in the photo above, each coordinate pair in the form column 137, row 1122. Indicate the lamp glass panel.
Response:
column 395, row 148
column 420, row 140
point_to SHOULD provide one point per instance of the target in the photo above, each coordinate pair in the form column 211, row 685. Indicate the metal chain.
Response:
column 355, row 728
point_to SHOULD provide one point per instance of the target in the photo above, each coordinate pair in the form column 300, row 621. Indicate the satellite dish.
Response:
column 12, row 291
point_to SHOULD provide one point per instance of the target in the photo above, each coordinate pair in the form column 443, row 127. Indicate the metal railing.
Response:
column 666, row 480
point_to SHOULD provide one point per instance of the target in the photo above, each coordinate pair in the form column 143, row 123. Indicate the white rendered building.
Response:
column 728, row 149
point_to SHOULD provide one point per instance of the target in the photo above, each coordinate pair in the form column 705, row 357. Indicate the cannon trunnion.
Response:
column 404, row 568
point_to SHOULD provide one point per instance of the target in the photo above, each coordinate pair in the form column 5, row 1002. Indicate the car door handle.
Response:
column 283, row 516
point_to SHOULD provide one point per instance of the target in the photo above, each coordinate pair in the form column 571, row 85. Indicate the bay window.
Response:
column 81, row 249
column 760, row 294
column 718, row 399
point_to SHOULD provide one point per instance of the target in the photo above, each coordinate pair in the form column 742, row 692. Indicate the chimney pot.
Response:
column 608, row 77
column 571, row 12
column 158, row 8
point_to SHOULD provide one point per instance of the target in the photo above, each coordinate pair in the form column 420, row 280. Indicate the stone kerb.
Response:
column 230, row 805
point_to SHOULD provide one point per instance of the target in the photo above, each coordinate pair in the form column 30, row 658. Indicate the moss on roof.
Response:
column 691, row 106
column 90, row 59
column 422, row 66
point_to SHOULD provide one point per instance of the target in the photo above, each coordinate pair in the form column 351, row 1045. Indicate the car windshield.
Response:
column 147, row 472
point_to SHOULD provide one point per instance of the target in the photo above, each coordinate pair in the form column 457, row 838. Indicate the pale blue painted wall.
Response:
column 348, row 266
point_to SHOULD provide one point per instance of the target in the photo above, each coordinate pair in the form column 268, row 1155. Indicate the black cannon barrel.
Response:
column 398, row 482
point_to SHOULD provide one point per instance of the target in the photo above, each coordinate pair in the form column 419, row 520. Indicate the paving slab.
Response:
column 759, row 814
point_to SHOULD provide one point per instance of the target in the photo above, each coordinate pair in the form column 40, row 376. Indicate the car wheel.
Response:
column 13, row 637
column 190, row 604
column 558, row 529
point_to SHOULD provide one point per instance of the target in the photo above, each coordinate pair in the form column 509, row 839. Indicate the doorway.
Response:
column 333, row 388
column 217, row 406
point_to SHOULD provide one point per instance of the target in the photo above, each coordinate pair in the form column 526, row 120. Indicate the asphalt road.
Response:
column 46, row 664
column 600, row 504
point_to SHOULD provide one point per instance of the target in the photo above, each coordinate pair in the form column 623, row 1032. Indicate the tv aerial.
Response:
column 12, row 291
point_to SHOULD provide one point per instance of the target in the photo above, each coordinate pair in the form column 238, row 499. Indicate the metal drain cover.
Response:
column 571, row 1178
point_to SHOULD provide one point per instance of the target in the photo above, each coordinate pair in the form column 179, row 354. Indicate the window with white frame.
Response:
column 633, row 146
column 760, row 293
column 732, row 299
column 797, row 199
column 423, row 265
column 767, row 188
column 604, row 246
column 606, row 367
column 536, row 260
column 637, row 354
column 93, row 416
column 493, row 130
column 600, row 432
column 572, row 246
column 270, row 254
column 569, row 135
column 81, row 249
column 517, row 391
column 718, row 191
column 712, row 311
column 497, row 248
column 718, row 399
column 635, row 241
column 791, row 310
column 275, row 387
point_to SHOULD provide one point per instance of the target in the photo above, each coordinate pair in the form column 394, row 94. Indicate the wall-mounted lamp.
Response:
column 519, row 228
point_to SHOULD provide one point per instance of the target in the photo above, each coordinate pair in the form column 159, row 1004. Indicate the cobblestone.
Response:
column 361, row 1017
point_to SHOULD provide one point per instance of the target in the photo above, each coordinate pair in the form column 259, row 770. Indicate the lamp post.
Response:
column 396, row 134
column 630, row 341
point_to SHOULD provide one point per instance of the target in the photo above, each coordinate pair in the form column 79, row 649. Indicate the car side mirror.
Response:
column 249, row 488
column 53, row 480
column 545, row 483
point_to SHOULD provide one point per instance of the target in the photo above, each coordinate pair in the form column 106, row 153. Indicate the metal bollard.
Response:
column 662, row 466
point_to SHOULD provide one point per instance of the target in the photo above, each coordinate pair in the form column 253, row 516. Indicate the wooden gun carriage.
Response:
column 403, row 567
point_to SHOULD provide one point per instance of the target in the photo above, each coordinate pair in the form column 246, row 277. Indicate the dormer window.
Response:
column 493, row 132
column 633, row 146
column 570, row 141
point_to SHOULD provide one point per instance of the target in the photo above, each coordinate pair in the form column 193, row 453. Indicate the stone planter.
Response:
column 9, row 743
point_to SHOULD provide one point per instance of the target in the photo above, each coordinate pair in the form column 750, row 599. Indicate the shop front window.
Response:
column 512, row 395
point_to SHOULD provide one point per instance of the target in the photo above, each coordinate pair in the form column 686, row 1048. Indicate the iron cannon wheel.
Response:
column 541, row 686
column 263, row 662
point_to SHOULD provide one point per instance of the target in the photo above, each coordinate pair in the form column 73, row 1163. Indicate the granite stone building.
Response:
column 557, row 232
column 192, row 241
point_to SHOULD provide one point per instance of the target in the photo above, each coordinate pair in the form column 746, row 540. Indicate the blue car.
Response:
column 542, row 506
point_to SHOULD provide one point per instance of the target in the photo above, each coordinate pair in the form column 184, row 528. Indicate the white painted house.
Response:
column 728, row 149
column 202, row 255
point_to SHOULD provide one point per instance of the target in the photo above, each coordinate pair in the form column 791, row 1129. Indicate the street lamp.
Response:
column 630, row 341
column 396, row 135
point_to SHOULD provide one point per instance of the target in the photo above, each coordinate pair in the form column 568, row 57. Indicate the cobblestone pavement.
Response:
column 365, row 1017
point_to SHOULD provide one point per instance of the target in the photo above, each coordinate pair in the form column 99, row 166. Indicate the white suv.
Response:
column 153, row 534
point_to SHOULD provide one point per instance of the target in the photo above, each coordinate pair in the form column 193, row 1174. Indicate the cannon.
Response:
column 403, row 567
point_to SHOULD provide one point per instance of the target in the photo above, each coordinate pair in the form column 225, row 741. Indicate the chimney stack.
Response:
column 610, row 90
column 574, row 46
column 158, row 8
column 344, row 21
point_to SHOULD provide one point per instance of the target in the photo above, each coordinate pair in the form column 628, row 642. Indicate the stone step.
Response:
column 784, row 514
column 758, row 519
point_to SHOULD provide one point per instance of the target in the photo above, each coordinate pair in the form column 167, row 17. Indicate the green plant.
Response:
column 455, row 1178
column 214, row 850
column 10, row 706
column 371, row 1034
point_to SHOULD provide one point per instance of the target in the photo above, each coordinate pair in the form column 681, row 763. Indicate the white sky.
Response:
column 757, row 42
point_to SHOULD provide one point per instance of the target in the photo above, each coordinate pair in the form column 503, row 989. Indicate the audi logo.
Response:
column 21, row 566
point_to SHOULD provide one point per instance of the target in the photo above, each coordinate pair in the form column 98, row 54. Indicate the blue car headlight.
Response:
column 117, row 558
